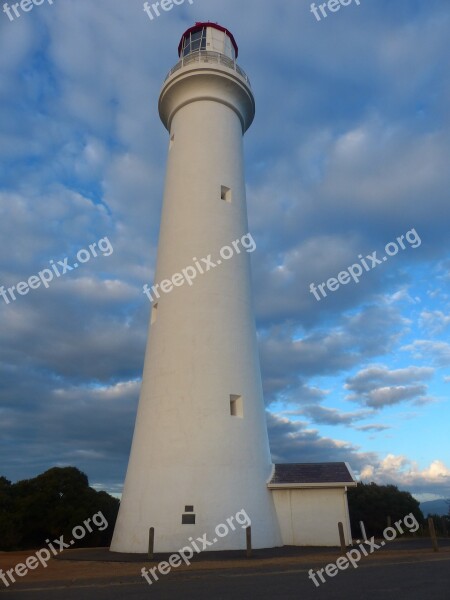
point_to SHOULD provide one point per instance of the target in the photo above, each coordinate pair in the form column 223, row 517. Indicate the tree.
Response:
column 51, row 505
column 372, row 504
column 9, row 534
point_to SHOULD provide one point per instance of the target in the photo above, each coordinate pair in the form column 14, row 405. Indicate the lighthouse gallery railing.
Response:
column 208, row 57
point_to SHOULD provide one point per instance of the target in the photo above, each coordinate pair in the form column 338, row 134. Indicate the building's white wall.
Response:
column 187, row 448
column 218, row 41
column 310, row 517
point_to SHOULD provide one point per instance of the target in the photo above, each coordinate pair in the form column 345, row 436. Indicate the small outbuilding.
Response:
column 310, row 500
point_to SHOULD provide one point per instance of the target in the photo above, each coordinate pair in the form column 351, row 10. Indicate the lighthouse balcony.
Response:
column 207, row 56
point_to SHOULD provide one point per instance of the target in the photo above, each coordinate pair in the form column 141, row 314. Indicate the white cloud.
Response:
column 375, row 427
column 333, row 416
column 434, row 321
column 376, row 386
column 436, row 352
column 401, row 471
column 292, row 441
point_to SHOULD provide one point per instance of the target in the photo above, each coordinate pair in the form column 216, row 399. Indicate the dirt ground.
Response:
column 76, row 566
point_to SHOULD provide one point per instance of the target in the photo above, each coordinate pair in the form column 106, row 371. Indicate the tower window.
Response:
column 225, row 193
column 188, row 519
column 236, row 406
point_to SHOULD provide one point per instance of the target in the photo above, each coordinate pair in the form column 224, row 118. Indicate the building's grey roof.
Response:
column 312, row 473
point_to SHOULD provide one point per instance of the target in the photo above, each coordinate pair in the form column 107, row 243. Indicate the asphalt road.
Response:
column 429, row 578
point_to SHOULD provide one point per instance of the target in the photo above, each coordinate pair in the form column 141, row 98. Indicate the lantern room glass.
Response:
column 194, row 42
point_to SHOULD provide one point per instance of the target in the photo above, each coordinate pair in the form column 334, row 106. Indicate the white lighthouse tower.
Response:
column 200, row 450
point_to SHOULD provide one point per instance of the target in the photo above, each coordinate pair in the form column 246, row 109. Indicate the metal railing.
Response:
column 207, row 56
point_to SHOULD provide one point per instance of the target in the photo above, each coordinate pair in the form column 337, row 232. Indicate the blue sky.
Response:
column 349, row 150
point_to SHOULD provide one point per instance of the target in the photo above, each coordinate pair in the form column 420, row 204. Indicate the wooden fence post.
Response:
column 151, row 542
column 363, row 531
column 342, row 537
column 433, row 534
column 248, row 536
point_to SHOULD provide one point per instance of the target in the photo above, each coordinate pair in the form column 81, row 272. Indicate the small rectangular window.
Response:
column 188, row 519
column 225, row 193
column 189, row 508
column 236, row 406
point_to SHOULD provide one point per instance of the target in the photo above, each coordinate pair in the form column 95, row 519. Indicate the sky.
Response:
column 348, row 153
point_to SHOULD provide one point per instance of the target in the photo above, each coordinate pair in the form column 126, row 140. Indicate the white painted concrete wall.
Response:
column 187, row 448
column 310, row 517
